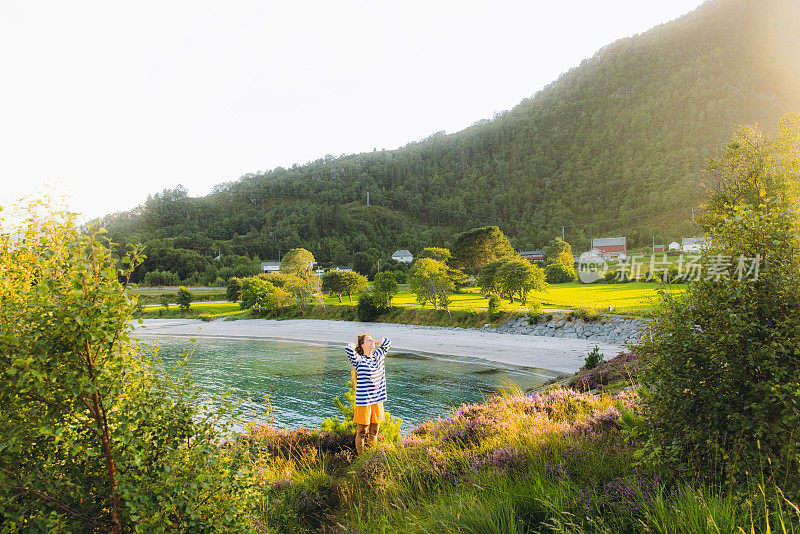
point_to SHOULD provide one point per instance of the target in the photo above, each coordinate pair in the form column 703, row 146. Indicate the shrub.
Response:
column 593, row 358
column 261, row 296
column 366, row 309
column 726, row 366
column 164, row 300
column 558, row 273
column 234, row 291
column 94, row 436
column 184, row 298
column 587, row 314
column 389, row 430
column 494, row 308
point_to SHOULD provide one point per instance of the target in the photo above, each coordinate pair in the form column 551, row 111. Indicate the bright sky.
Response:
column 111, row 101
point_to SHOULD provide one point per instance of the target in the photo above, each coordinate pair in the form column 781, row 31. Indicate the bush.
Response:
column 535, row 312
column 94, row 437
column 367, row 309
column 726, row 371
column 593, row 358
column 558, row 273
column 261, row 296
column 234, row 291
column 494, row 308
column 184, row 298
column 587, row 314
column 389, row 430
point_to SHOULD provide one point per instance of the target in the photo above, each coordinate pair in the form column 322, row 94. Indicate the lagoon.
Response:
column 302, row 378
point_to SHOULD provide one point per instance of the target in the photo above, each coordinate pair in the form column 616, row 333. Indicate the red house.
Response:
column 532, row 255
column 611, row 247
column 658, row 248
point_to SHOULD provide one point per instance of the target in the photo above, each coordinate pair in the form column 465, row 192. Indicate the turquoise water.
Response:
column 302, row 378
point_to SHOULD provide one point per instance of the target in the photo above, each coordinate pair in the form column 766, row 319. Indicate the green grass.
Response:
column 152, row 295
column 634, row 297
column 199, row 310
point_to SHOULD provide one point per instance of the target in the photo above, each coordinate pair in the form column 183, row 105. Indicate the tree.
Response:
column 332, row 283
column 518, row 276
column 261, row 295
column 96, row 437
column 436, row 253
column 558, row 273
column 559, row 251
column 352, row 283
column 365, row 263
column 560, row 262
column 725, row 372
column 474, row 249
column 487, row 279
column 384, row 288
column 184, row 298
column 297, row 261
column 428, row 279
column 234, row 290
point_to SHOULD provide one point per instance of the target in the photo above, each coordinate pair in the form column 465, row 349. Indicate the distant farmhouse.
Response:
column 611, row 248
column 674, row 246
column 402, row 256
column 658, row 248
column 270, row 266
column 532, row 255
column 694, row 244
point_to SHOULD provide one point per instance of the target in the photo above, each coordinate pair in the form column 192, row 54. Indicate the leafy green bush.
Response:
column 94, row 436
column 261, row 296
column 494, row 307
column 366, row 309
column 389, row 430
column 587, row 314
column 593, row 358
column 726, row 365
column 558, row 273
column 184, row 298
column 234, row 290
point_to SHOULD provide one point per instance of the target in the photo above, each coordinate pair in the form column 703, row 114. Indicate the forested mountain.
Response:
column 613, row 147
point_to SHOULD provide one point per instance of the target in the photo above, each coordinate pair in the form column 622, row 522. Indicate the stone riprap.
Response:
column 609, row 329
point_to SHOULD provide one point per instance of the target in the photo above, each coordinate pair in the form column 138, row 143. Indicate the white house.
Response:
column 674, row 246
column 402, row 256
column 694, row 244
column 270, row 266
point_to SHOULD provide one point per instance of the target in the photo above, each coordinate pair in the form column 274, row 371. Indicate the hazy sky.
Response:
column 111, row 101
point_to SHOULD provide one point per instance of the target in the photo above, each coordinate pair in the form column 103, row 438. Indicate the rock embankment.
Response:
column 608, row 329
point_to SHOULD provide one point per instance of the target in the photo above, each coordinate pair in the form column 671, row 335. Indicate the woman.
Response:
column 370, row 377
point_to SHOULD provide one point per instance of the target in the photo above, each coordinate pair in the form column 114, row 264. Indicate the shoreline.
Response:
column 560, row 355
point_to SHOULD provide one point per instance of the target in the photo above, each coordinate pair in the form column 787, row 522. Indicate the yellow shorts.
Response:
column 364, row 415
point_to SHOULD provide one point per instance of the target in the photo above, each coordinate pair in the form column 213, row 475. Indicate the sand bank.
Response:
column 562, row 355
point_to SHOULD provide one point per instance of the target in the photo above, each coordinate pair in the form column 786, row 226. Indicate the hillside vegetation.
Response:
column 613, row 147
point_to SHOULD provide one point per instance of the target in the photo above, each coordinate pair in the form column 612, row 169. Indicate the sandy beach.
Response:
column 563, row 355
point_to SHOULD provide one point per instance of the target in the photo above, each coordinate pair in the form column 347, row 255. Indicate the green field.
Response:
column 202, row 310
column 634, row 297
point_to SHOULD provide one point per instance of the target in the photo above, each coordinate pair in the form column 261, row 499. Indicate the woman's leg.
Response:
column 361, row 435
column 372, row 434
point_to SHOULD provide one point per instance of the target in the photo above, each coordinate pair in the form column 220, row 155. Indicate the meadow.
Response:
column 554, row 461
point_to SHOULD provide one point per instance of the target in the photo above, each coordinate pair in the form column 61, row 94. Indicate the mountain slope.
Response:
column 614, row 146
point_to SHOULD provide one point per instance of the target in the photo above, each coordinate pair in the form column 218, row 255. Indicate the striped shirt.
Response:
column 370, row 373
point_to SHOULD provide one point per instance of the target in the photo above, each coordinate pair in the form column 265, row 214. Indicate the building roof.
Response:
column 531, row 253
column 692, row 240
column 270, row 264
column 401, row 252
column 608, row 241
